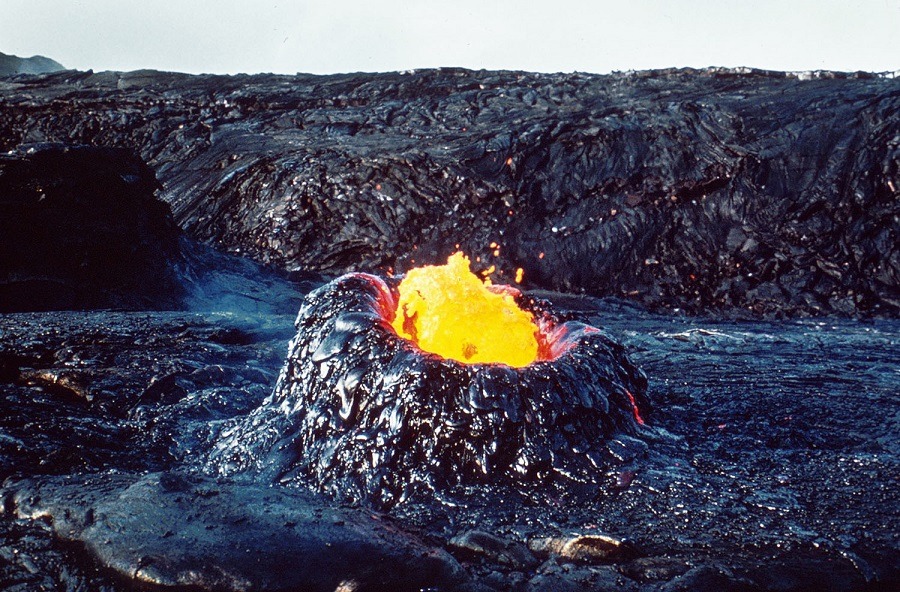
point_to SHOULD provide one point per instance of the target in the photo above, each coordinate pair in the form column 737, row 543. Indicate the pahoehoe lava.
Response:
column 699, row 190
column 142, row 447
column 365, row 415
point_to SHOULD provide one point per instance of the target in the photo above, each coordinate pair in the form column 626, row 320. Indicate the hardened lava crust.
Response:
column 365, row 415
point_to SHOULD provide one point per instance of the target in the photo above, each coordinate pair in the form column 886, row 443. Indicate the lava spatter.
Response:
column 365, row 415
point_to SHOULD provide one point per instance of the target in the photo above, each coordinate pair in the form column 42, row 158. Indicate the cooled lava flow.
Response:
column 365, row 414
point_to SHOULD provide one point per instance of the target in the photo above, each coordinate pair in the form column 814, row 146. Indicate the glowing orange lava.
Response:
column 447, row 310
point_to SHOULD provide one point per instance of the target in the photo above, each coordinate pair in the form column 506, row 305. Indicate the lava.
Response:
column 365, row 415
column 447, row 310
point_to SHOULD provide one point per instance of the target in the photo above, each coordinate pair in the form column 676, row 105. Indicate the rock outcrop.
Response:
column 82, row 228
column 188, row 533
column 364, row 415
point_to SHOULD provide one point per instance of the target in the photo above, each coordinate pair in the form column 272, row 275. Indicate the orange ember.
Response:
column 447, row 310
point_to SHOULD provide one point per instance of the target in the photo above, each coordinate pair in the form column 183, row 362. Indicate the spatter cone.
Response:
column 365, row 415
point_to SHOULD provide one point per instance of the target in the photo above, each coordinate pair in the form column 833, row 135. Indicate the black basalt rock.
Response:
column 181, row 532
column 768, row 458
column 745, row 191
column 81, row 228
column 365, row 415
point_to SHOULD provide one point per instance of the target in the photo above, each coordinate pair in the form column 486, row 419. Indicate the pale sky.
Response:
column 327, row 36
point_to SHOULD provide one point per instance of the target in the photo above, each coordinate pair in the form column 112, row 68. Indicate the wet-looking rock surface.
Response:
column 767, row 460
column 768, row 463
column 365, row 415
column 699, row 190
column 186, row 532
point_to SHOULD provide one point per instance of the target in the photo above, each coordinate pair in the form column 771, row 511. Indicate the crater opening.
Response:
column 449, row 311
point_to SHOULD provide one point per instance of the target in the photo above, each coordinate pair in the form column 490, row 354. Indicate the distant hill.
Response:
column 10, row 64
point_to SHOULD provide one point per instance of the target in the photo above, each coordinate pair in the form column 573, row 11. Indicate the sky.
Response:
column 329, row 36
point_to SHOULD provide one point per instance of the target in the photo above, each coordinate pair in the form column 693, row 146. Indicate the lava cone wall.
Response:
column 363, row 414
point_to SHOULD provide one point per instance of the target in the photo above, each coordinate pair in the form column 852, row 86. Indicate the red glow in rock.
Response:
column 634, row 407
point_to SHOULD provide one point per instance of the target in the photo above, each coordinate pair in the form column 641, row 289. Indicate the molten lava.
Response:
column 447, row 310
column 370, row 418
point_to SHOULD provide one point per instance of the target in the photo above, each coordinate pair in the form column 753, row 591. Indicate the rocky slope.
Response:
column 766, row 459
column 698, row 190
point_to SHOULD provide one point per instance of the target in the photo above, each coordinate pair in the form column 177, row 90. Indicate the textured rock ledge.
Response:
column 186, row 532
column 82, row 228
column 699, row 190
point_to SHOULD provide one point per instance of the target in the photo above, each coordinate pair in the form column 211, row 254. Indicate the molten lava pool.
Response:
column 447, row 310
column 395, row 389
